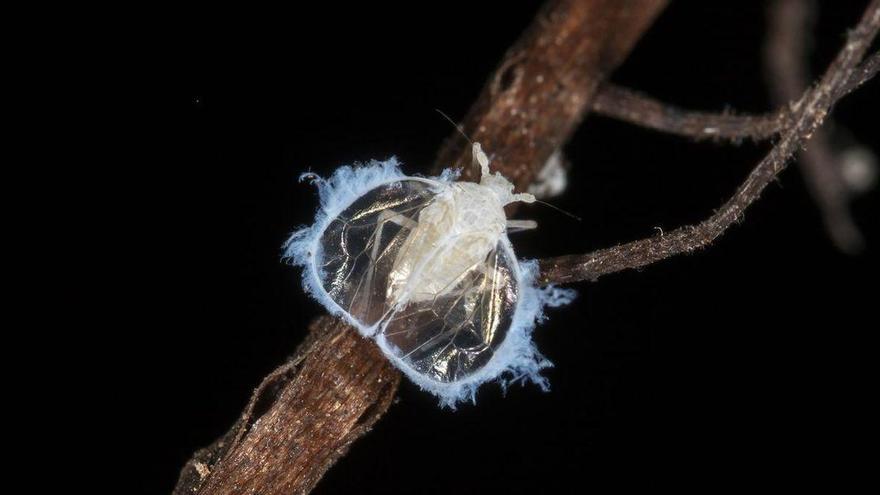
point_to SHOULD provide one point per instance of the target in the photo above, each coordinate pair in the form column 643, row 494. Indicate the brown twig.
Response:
column 306, row 414
column 786, row 58
column 642, row 110
column 546, row 82
column 865, row 72
column 808, row 114
column 301, row 418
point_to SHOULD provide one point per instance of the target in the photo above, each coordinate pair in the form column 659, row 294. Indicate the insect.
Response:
column 424, row 266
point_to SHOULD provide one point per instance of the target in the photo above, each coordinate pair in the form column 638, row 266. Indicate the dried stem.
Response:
column 808, row 114
column 865, row 72
column 306, row 414
column 301, row 419
column 642, row 110
column 786, row 58
column 546, row 82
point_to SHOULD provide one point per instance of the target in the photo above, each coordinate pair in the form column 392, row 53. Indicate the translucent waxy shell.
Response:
column 430, row 276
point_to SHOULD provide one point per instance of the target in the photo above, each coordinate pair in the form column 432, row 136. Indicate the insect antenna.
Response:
column 458, row 127
column 560, row 210
column 474, row 146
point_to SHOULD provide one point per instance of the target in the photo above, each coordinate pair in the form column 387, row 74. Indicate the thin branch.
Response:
column 304, row 416
column 863, row 73
column 539, row 93
column 809, row 113
column 786, row 58
column 645, row 111
column 642, row 110
column 301, row 419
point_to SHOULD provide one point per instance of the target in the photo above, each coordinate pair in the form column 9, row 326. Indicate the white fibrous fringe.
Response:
column 516, row 359
column 344, row 187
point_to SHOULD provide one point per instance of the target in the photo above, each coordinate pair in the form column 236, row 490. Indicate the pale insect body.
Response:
column 424, row 266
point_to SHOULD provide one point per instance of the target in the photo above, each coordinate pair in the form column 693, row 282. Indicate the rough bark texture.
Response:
column 546, row 82
column 306, row 414
column 301, row 419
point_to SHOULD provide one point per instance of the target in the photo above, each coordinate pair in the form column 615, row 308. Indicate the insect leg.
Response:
column 480, row 159
column 520, row 225
column 384, row 216
column 393, row 217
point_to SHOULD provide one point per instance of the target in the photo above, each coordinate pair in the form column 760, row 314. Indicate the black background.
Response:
column 744, row 365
